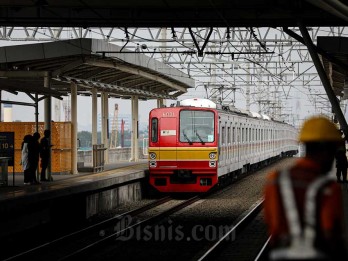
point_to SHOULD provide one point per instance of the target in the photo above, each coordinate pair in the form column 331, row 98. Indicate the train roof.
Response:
column 256, row 115
column 265, row 117
column 198, row 102
column 206, row 103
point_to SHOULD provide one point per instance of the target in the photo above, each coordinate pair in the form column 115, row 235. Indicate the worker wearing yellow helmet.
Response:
column 303, row 204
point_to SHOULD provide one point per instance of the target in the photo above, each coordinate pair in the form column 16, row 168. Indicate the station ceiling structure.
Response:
column 226, row 46
column 23, row 67
column 170, row 13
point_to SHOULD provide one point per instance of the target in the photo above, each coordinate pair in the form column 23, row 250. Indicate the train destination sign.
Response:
column 7, row 146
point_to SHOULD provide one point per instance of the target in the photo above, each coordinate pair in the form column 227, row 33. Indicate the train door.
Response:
column 168, row 140
column 239, row 142
column 222, row 143
column 229, row 142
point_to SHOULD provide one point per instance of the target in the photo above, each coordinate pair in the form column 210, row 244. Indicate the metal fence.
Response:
column 98, row 157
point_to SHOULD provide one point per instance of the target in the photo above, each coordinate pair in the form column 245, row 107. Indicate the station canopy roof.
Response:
column 172, row 13
column 88, row 63
column 335, row 62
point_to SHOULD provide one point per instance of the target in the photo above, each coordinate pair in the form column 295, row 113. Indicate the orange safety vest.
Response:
column 328, row 213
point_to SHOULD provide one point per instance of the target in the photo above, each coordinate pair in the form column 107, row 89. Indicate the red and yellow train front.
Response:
column 183, row 149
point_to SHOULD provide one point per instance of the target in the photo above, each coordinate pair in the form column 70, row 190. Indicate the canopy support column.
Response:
column 74, row 128
column 135, row 133
column 105, row 124
column 94, row 116
column 48, row 120
column 160, row 103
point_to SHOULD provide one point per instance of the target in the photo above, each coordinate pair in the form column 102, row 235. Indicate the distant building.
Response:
column 7, row 112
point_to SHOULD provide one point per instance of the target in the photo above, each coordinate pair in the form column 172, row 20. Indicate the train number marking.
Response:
column 168, row 132
column 168, row 114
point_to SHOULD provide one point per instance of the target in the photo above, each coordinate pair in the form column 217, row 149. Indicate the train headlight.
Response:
column 152, row 155
column 153, row 164
column 212, row 155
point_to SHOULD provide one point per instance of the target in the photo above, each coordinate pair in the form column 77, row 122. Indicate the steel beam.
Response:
column 326, row 83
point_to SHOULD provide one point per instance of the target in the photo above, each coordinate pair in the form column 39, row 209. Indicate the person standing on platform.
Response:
column 25, row 158
column 341, row 163
column 303, row 206
column 45, row 154
column 34, row 156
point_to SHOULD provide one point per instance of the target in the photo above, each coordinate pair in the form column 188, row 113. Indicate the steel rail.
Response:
column 263, row 251
column 151, row 220
column 235, row 231
column 90, row 228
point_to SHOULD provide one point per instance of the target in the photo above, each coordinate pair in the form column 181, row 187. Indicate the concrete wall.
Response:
column 107, row 200
column 66, row 209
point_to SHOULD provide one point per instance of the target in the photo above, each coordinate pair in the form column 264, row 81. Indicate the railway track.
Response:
column 199, row 227
column 263, row 253
column 223, row 244
column 80, row 242
column 110, row 239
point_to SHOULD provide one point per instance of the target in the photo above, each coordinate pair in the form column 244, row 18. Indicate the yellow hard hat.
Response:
column 319, row 129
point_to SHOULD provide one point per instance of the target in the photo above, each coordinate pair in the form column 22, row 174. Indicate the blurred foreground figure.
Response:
column 303, row 205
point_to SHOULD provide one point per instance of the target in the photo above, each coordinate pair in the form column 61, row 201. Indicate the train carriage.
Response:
column 195, row 145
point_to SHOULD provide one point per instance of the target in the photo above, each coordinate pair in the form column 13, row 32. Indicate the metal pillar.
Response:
column 326, row 83
column 160, row 103
column 135, row 133
column 0, row 106
column 94, row 116
column 47, row 122
column 74, row 128
column 36, row 112
column 105, row 124
column 247, row 92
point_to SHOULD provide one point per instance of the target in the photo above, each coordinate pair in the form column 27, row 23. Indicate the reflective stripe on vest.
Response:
column 302, row 242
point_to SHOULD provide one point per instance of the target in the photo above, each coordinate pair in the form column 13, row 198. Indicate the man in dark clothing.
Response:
column 45, row 154
column 341, row 163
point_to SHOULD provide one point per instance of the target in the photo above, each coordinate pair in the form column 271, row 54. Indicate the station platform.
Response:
column 69, row 198
column 17, row 180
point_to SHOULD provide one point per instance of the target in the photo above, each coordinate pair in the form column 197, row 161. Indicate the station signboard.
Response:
column 7, row 146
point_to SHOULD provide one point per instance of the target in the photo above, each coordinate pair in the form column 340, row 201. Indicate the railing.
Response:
column 98, row 157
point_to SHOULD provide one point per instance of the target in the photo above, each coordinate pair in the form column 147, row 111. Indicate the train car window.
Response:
column 223, row 135
column 229, row 135
column 233, row 133
column 238, row 134
column 196, row 126
column 154, row 130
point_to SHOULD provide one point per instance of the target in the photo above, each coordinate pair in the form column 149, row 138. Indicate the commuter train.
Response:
column 198, row 143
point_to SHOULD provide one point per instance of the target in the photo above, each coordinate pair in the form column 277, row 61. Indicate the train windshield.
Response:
column 196, row 126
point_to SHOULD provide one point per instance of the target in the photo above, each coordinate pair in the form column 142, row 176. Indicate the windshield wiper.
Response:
column 200, row 138
column 190, row 142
